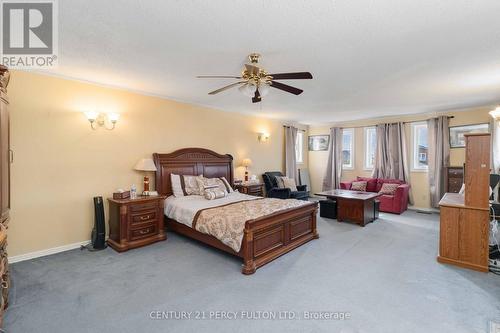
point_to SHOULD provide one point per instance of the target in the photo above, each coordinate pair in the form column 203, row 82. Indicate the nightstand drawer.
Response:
column 144, row 206
column 143, row 217
column 255, row 193
column 140, row 220
column 143, row 232
column 253, row 189
column 455, row 173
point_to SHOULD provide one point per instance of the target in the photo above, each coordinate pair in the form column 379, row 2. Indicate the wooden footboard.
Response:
column 264, row 239
column 269, row 237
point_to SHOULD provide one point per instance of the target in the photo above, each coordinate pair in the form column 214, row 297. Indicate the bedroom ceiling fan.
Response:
column 255, row 80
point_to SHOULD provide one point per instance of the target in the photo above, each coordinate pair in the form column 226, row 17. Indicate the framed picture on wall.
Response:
column 318, row 142
column 457, row 138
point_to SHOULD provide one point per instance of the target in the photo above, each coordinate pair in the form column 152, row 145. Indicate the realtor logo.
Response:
column 29, row 34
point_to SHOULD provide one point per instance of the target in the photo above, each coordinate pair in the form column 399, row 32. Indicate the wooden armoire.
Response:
column 464, row 225
column 5, row 160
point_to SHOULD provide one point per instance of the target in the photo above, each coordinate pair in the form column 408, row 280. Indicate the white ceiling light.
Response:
column 263, row 88
column 248, row 89
column 495, row 113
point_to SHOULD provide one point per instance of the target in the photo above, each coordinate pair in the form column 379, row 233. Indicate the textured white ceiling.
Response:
column 368, row 58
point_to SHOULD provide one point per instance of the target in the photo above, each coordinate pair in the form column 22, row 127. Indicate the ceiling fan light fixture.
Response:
column 255, row 81
column 248, row 89
column 264, row 88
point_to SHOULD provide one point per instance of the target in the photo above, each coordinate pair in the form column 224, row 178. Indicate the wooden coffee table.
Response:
column 353, row 206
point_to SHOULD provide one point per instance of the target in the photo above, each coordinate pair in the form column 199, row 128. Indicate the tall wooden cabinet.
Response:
column 464, row 222
column 5, row 160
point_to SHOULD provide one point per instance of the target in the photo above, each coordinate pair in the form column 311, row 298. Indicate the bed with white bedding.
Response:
column 184, row 209
column 258, row 230
column 225, row 218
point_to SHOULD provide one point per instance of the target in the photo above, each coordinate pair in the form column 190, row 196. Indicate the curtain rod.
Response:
column 300, row 129
column 404, row 122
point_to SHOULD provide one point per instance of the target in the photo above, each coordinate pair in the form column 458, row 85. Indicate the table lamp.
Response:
column 147, row 165
column 246, row 163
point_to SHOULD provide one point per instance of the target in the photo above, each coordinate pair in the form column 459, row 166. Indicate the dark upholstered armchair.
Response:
column 273, row 191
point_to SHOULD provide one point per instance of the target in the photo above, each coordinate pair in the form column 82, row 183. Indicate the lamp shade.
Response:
column 248, row 89
column 246, row 162
column 145, row 164
column 495, row 113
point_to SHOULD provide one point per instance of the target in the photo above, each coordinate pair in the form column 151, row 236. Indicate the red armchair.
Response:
column 396, row 203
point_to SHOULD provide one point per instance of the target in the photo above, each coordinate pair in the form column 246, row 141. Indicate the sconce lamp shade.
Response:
column 495, row 113
column 91, row 115
column 263, row 137
column 145, row 164
column 246, row 162
column 113, row 117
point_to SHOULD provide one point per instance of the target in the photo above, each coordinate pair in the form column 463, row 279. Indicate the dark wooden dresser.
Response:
column 454, row 178
column 135, row 222
column 5, row 161
column 251, row 189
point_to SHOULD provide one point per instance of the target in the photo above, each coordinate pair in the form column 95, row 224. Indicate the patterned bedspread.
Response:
column 227, row 222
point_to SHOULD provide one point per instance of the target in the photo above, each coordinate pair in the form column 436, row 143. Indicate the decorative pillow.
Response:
column 285, row 182
column 226, row 183
column 381, row 181
column 177, row 187
column 191, row 186
column 388, row 188
column 214, row 193
column 371, row 183
column 359, row 186
column 279, row 181
column 205, row 183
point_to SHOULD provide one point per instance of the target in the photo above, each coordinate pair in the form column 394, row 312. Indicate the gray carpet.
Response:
column 384, row 275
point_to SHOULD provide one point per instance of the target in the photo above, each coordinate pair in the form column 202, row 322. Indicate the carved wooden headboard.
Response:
column 191, row 161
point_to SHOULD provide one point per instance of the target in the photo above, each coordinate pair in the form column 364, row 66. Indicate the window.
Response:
column 299, row 147
column 348, row 148
column 420, row 147
column 370, row 146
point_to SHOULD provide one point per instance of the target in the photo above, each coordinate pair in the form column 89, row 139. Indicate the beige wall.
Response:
column 60, row 163
column 419, row 180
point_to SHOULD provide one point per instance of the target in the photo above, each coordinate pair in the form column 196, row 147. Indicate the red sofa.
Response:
column 396, row 203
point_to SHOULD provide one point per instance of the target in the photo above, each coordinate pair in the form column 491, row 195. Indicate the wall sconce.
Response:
column 263, row 137
column 495, row 113
column 102, row 119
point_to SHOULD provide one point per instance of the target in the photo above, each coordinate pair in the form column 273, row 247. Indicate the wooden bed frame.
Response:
column 265, row 239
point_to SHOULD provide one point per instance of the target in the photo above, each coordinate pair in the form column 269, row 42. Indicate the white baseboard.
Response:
column 422, row 209
column 43, row 253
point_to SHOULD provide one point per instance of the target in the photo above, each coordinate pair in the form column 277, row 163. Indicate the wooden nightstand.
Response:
column 251, row 189
column 135, row 222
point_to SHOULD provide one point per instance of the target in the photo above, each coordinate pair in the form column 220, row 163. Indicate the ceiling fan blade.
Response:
column 252, row 69
column 287, row 88
column 256, row 98
column 217, row 77
column 225, row 88
column 292, row 76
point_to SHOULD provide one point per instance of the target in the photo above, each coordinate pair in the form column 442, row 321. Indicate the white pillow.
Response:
column 285, row 182
column 176, row 185
column 228, row 187
column 204, row 183
column 214, row 193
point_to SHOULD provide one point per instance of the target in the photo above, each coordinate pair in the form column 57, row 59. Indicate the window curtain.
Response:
column 391, row 155
column 438, row 156
column 334, row 166
column 495, row 145
column 290, row 158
